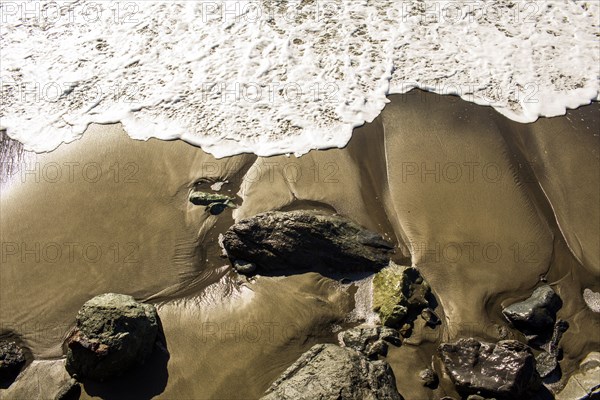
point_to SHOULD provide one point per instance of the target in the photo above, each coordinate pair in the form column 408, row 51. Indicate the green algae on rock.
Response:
column 399, row 292
column 113, row 333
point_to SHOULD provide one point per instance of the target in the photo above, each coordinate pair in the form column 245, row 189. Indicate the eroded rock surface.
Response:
column 328, row 371
column 113, row 333
column 305, row 241
column 505, row 370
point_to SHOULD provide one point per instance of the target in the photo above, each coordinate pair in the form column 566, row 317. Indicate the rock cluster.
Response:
column 328, row 371
column 277, row 242
column 113, row 333
column 503, row 370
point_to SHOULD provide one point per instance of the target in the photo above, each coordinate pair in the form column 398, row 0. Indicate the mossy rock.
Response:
column 399, row 294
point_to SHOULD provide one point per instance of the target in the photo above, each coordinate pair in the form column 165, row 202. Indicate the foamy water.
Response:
column 281, row 77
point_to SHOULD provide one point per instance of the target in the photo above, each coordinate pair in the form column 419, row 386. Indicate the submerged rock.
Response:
column 585, row 383
column 113, row 333
column 12, row 360
column 305, row 240
column 328, row 371
column 535, row 316
column 505, row 370
column 399, row 294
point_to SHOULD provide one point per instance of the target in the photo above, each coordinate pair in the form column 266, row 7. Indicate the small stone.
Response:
column 430, row 317
column 390, row 335
column 406, row 330
column 429, row 378
column 545, row 364
column 244, row 267
column 378, row 348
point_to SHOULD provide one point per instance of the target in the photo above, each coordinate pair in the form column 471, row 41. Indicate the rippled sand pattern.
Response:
column 483, row 206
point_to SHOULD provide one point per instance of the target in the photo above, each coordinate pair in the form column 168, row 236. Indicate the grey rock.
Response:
column 430, row 317
column 359, row 337
column 585, row 383
column 505, row 370
column 328, row 371
column 70, row 391
column 370, row 340
column 244, row 267
column 429, row 378
column 112, row 334
column 545, row 364
column 536, row 315
column 305, row 240
column 12, row 360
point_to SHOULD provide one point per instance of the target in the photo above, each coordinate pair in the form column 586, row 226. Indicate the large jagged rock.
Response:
column 585, row 383
column 536, row 315
column 305, row 240
column 328, row 371
column 113, row 333
column 505, row 370
column 12, row 360
column 399, row 294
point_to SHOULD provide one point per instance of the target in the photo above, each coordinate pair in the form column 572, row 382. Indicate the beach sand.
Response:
column 483, row 206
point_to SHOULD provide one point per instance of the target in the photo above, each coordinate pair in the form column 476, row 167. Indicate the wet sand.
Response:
column 483, row 206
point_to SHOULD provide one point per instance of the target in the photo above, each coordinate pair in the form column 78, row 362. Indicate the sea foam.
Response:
column 273, row 77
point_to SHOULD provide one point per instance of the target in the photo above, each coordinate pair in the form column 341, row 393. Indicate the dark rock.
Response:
column 545, row 364
column 399, row 295
column 305, row 240
column 70, row 391
column 12, row 360
column 535, row 316
column 429, row 378
column 327, row 371
column 113, row 333
column 553, row 345
column 390, row 335
column 244, row 267
column 505, row 370
column 430, row 317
